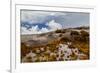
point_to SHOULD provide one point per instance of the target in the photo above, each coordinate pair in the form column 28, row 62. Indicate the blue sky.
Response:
column 36, row 22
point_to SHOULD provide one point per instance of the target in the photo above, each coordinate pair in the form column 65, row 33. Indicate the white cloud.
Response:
column 36, row 30
column 38, row 16
column 24, row 30
column 33, row 30
column 44, row 30
column 57, row 14
column 53, row 25
column 33, row 16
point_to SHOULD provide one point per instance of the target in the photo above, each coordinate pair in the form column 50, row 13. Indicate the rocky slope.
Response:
column 60, row 45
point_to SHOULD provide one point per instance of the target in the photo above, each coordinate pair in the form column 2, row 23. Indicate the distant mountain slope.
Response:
column 45, row 38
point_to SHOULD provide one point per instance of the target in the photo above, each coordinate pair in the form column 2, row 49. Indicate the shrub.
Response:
column 24, row 49
column 71, row 46
column 60, row 35
column 74, row 33
column 77, row 38
column 84, row 33
column 60, row 31
column 63, row 31
column 84, row 36
column 65, row 39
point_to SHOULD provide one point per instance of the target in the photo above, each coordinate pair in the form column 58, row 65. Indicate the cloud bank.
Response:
column 52, row 25
column 36, row 22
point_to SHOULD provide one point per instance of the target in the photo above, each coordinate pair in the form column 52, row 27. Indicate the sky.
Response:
column 37, row 22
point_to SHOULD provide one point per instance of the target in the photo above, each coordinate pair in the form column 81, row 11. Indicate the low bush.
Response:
column 60, row 31
column 84, row 33
column 24, row 49
column 74, row 33
column 65, row 39
column 84, row 36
